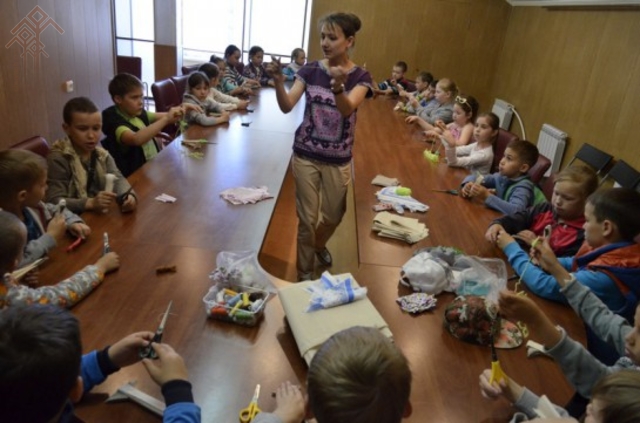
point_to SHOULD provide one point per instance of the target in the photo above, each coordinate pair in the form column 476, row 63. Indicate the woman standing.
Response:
column 321, row 163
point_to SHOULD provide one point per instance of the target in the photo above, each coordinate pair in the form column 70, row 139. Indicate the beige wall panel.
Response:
column 31, row 98
column 459, row 39
column 577, row 70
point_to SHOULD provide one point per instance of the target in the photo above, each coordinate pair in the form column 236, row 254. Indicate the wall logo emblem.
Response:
column 27, row 34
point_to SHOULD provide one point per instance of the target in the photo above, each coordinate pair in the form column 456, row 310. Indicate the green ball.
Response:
column 404, row 191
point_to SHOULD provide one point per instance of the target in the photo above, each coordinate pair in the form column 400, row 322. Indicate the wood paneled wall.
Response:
column 577, row 70
column 165, row 61
column 31, row 98
column 460, row 39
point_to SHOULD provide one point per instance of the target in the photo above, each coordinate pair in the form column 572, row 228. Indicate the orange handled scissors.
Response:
column 247, row 414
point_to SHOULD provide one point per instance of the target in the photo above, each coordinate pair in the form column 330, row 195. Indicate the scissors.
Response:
column 148, row 352
column 248, row 414
column 497, row 374
column 448, row 191
column 120, row 199
column 106, row 248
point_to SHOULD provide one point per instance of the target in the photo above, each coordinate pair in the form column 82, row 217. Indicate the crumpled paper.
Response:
column 245, row 195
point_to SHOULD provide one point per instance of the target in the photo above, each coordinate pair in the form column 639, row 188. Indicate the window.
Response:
column 135, row 34
column 208, row 27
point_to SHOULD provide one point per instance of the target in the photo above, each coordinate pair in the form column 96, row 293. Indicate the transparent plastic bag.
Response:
column 479, row 276
column 433, row 270
column 240, row 269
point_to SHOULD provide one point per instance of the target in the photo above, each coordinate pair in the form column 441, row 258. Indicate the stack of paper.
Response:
column 404, row 228
column 311, row 329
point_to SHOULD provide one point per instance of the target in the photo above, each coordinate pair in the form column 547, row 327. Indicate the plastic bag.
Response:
column 479, row 276
column 240, row 269
column 433, row 270
column 333, row 291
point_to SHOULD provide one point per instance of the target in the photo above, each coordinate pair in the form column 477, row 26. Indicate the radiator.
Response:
column 551, row 144
column 504, row 111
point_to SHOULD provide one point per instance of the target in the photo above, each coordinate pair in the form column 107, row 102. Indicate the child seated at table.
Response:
column 198, row 94
column 224, row 101
column 43, row 371
column 357, row 375
column 614, row 399
column 129, row 129
column 564, row 214
column 298, row 59
column 423, row 94
column 460, row 131
column 78, row 165
column 64, row 294
column 255, row 69
column 478, row 156
column 396, row 82
column 23, row 178
column 440, row 109
column 608, row 261
column 582, row 369
column 231, row 76
column 509, row 190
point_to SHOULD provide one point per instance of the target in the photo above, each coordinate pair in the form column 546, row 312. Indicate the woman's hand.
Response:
column 274, row 70
column 338, row 77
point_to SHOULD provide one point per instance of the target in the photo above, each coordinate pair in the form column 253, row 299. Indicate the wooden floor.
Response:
column 278, row 253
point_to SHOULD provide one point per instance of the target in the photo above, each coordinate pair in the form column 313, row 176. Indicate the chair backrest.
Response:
column 624, row 174
column 411, row 86
column 504, row 138
column 186, row 70
column 181, row 84
column 547, row 185
column 592, row 156
column 128, row 64
column 35, row 144
column 538, row 170
column 165, row 95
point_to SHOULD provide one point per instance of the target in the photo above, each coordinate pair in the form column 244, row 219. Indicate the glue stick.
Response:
column 108, row 186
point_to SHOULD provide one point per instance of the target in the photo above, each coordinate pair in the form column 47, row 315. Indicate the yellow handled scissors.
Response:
column 497, row 374
column 247, row 414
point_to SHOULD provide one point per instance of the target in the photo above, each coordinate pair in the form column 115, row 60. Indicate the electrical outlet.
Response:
column 68, row 86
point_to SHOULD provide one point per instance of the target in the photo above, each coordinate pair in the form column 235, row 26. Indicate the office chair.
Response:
column 547, row 185
column 504, row 138
column 537, row 170
column 592, row 156
column 181, row 84
column 186, row 70
column 166, row 96
column 35, row 144
column 623, row 174
column 133, row 65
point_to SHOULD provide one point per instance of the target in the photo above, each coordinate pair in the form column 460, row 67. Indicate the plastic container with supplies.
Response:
column 241, row 305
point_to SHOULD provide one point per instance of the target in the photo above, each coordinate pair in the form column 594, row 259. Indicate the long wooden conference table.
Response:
column 226, row 361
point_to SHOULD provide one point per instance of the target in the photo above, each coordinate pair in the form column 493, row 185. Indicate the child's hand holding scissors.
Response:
column 505, row 388
column 169, row 365
column 125, row 352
